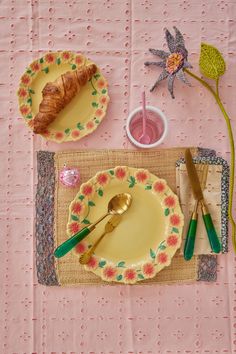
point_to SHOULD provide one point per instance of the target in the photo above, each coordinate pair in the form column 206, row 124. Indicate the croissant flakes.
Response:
column 57, row 94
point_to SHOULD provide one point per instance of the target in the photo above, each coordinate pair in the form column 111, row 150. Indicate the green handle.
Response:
column 190, row 240
column 66, row 246
column 211, row 233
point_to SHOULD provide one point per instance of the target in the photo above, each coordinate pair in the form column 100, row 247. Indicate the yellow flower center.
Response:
column 174, row 62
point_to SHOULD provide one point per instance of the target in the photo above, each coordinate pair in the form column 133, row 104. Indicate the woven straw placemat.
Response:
column 160, row 162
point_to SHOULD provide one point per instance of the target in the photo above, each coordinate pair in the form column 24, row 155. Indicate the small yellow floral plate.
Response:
column 148, row 235
column 82, row 115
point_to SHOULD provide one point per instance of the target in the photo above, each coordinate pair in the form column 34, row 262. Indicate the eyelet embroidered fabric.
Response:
column 194, row 318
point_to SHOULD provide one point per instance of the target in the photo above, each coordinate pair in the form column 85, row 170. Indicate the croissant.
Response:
column 57, row 94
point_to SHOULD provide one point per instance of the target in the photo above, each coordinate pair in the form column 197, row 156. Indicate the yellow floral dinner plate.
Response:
column 82, row 115
column 146, row 238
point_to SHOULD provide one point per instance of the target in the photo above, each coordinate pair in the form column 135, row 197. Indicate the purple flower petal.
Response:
column 170, row 41
column 181, row 76
column 179, row 39
column 171, row 79
column 164, row 74
column 160, row 53
column 187, row 65
column 162, row 64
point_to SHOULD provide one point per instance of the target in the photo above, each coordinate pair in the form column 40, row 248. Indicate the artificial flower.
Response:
column 172, row 62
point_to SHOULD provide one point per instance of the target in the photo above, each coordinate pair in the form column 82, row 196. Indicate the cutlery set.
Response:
column 118, row 205
column 197, row 189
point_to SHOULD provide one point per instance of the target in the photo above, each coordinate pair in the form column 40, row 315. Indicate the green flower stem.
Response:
column 232, row 155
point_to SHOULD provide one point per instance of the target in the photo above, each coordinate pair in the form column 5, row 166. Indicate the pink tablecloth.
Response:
column 197, row 318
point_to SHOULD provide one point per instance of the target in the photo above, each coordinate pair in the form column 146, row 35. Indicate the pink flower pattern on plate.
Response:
column 35, row 66
column 75, row 134
column 162, row 258
column 92, row 264
column 74, row 227
column 172, row 240
column 22, row 92
column 159, row 186
column 109, row 272
column 101, row 83
column 142, row 176
column 24, row 110
column 66, row 55
column 170, row 201
column 90, row 125
column 77, row 208
column 130, row 276
column 148, row 270
column 102, row 178
column 121, row 172
column 99, row 112
column 81, row 247
column 59, row 135
column 103, row 100
column 49, row 58
column 87, row 189
column 25, row 79
column 79, row 59
column 175, row 220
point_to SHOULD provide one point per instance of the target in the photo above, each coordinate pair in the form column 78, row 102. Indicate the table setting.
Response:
column 118, row 199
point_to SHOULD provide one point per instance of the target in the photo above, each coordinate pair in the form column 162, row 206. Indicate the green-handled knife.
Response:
column 198, row 195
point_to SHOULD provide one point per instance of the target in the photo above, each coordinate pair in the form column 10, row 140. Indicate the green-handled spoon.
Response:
column 119, row 204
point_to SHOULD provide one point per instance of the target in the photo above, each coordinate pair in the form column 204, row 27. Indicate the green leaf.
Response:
column 101, row 264
column 119, row 277
column 94, row 93
column 96, row 76
column 46, row 70
column 94, row 104
column 132, row 181
column 104, row 91
column 97, row 121
column 91, row 203
column 140, row 276
column 67, row 131
column 167, row 211
column 29, row 71
column 74, row 217
column 31, row 91
column 121, row 264
column 73, row 67
column 112, row 172
column 211, row 62
column 100, row 192
column 29, row 116
column 58, row 61
column 86, row 221
column 152, row 254
column 80, row 126
column 81, row 197
column 41, row 60
column 29, row 101
column 162, row 247
column 148, row 187
column 174, row 229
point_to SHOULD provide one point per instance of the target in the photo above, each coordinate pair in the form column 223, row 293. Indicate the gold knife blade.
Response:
column 193, row 176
